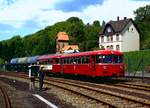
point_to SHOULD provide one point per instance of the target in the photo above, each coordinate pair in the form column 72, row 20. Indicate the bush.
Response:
column 2, row 61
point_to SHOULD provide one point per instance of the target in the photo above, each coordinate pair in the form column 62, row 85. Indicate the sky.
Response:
column 23, row 17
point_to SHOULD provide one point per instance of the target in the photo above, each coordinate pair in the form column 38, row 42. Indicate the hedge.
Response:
column 137, row 60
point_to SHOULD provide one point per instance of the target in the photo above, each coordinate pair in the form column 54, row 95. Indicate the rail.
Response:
column 6, row 98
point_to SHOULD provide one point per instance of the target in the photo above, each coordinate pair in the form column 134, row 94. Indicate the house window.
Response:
column 58, row 47
column 108, row 47
column 118, row 47
column 111, row 38
column 102, row 47
column 107, row 38
column 63, row 45
column 102, row 39
column 117, row 37
column 111, row 47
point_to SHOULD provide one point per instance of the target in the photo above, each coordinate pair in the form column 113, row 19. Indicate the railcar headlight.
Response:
column 104, row 67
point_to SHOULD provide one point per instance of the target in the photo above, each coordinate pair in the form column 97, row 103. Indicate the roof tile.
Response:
column 62, row 36
column 72, row 47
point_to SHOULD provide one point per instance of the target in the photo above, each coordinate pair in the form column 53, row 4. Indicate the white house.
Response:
column 121, row 35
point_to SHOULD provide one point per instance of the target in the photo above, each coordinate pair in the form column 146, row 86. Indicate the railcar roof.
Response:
column 43, row 57
column 89, row 53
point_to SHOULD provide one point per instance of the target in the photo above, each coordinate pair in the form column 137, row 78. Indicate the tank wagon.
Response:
column 21, row 64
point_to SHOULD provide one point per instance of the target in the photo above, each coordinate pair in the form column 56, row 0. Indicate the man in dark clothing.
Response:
column 41, row 77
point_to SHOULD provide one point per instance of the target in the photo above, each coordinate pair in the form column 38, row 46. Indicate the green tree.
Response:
column 91, row 36
column 5, row 51
column 142, row 19
column 76, row 31
column 16, row 47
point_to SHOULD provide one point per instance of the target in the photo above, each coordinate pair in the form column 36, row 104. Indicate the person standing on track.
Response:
column 41, row 77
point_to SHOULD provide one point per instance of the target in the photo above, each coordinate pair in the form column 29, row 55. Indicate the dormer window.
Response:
column 108, row 29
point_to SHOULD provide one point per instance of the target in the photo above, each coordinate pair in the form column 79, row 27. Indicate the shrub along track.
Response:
column 107, row 95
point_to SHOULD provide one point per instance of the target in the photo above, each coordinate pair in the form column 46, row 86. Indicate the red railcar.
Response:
column 50, row 62
column 92, row 63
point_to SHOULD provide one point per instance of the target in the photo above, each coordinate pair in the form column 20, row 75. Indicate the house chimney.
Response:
column 125, row 18
column 118, row 18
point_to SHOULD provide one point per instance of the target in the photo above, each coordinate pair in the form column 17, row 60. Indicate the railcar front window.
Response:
column 118, row 59
column 104, row 59
column 108, row 59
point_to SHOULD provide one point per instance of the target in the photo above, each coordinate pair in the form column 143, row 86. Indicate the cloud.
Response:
column 110, row 9
column 44, row 12
column 75, row 5
column 23, row 10
column 51, row 17
column 27, row 16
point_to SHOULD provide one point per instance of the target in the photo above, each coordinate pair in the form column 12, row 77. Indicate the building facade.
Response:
column 62, row 44
column 121, row 35
column 62, row 39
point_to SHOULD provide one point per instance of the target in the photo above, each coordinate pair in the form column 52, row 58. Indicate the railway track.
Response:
column 5, row 97
column 104, row 96
column 111, row 95
column 135, row 86
column 145, row 88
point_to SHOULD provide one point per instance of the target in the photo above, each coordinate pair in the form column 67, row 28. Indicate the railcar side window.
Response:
column 87, row 59
column 43, row 62
column 68, row 60
column 65, row 60
column 71, row 60
column 75, row 60
column 82, row 60
column 49, row 61
column 57, row 60
column 78, row 60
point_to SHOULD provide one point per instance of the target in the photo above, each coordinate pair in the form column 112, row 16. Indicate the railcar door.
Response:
column 62, row 65
column 92, row 65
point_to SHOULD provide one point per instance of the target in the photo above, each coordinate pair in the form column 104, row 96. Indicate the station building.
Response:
column 62, row 44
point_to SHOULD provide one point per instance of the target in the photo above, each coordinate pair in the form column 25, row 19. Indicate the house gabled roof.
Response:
column 118, row 26
column 70, row 47
column 63, row 36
